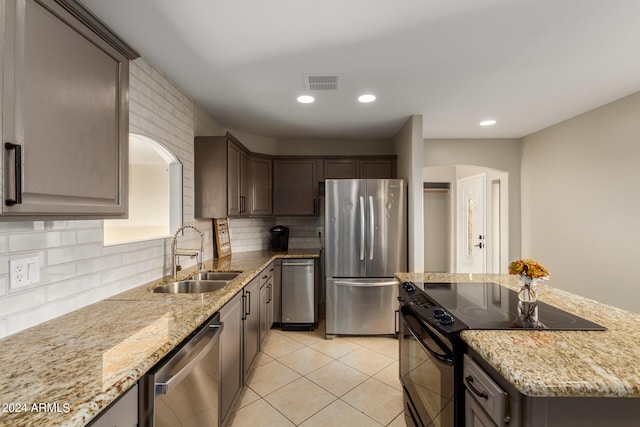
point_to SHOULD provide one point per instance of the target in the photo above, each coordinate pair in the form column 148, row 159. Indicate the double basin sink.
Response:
column 198, row 283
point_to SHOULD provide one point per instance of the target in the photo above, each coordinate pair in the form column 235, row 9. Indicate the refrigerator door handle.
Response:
column 372, row 228
column 362, row 228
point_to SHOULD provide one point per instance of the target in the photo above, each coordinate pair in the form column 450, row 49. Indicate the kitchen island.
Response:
column 67, row 370
column 559, row 363
column 502, row 374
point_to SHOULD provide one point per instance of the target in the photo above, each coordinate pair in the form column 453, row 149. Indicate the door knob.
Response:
column 479, row 245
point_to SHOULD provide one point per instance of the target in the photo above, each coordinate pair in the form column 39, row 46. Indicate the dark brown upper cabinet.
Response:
column 229, row 180
column 261, row 185
column 65, row 113
column 295, row 186
column 360, row 167
column 232, row 181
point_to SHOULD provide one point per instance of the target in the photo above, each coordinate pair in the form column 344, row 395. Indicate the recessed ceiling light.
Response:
column 488, row 122
column 366, row 98
column 306, row 99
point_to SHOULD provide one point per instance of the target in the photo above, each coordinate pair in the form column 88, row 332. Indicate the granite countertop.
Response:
column 79, row 363
column 559, row 363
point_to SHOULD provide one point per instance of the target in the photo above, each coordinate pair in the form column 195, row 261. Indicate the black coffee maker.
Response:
column 279, row 241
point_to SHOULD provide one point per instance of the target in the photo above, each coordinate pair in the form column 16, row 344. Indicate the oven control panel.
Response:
column 416, row 298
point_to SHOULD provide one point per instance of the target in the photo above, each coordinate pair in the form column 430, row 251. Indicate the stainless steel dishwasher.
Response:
column 184, row 388
column 298, row 294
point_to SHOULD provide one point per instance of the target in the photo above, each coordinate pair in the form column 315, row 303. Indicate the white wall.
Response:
column 408, row 146
column 76, row 269
column 204, row 124
column 153, row 207
column 437, row 231
column 581, row 203
column 256, row 143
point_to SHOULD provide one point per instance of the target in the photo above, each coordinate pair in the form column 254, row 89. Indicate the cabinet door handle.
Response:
column 478, row 393
column 17, row 171
column 244, row 307
column 248, row 312
column 396, row 317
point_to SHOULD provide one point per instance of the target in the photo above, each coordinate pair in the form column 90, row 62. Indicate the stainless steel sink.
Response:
column 190, row 287
column 214, row 275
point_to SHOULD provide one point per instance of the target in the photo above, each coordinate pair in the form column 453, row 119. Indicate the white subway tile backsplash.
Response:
column 16, row 227
column 67, row 288
column 140, row 279
column 253, row 233
column 19, row 301
column 3, row 243
column 139, row 255
column 68, row 238
column 119, row 273
column 72, row 254
column 26, row 319
column 98, row 264
column 94, row 235
column 250, row 234
column 33, row 241
column 57, row 273
column 4, row 266
column 4, row 286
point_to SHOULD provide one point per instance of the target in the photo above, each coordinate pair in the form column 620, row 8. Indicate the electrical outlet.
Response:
column 24, row 272
column 206, row 237
column 318, row 231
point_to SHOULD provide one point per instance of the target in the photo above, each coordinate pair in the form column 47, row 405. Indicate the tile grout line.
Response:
column 308, row 344
column 359, row 346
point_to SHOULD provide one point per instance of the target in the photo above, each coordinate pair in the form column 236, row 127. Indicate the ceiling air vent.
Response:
column 321, row 82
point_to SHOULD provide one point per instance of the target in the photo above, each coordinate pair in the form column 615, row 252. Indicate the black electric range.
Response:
column 452, row 307
column 429, row 334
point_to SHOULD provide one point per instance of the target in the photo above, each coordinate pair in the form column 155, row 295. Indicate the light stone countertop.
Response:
column 81, row 362
column 559, row 363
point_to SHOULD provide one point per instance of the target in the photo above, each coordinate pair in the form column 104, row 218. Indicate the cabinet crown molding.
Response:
column 83, row 14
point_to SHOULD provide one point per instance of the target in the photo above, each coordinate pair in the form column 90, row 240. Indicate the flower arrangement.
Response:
column 528, row 268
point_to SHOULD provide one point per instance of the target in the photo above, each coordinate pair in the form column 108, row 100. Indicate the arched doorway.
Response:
column 155, row 194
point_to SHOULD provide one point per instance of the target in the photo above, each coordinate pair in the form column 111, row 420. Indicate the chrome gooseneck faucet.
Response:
column 176, row 253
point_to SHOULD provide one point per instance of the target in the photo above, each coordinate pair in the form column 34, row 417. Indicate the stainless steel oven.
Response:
column 184, row 388
column 428, row 364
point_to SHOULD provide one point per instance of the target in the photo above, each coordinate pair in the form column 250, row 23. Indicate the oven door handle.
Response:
column 446, row 357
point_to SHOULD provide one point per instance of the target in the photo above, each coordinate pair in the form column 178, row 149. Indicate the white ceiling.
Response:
column 527, row 63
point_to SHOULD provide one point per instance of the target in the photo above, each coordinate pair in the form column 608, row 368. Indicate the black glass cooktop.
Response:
column 488, row 306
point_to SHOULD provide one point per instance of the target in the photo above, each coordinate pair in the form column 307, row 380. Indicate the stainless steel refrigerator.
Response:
column 365, row 244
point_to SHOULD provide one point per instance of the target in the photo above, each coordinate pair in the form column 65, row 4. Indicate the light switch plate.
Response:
column 24, row 272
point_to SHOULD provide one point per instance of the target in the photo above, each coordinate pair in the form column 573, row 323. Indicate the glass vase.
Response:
column 528, row 315
column 528, row 289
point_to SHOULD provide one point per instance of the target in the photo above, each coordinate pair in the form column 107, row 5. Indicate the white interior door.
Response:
column 471, row 238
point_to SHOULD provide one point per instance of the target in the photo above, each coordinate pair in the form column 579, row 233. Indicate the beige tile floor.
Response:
column 301, row 379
